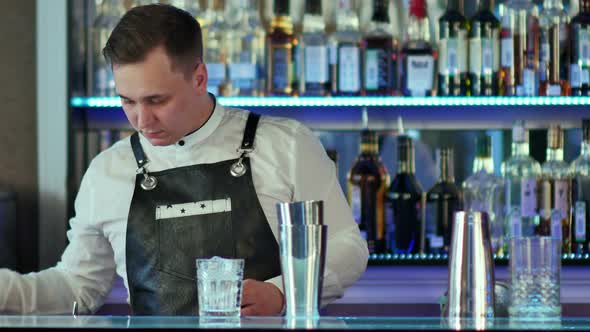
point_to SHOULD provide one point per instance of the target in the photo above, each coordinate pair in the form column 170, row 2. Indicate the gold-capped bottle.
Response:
column 281, row 46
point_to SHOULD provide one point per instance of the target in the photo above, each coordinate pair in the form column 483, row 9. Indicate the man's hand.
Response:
column 261, row 299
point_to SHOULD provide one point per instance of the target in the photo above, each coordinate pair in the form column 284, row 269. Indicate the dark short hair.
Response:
column 144, row 28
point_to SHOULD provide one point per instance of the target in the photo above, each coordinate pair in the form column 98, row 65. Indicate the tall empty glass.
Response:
column 535, row 264
column 219, row 288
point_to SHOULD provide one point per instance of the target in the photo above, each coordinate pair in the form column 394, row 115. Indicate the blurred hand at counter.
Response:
column 261, row 299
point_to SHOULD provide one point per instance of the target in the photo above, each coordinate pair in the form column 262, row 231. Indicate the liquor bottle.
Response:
column 555, row 192
column 378, row 51
column 417, row 57
column 580, row 170
column 521, row 173
column 345, row 52
column 216, row 52
column 452, row 50
column 484, row 51
column 405, row 203
column 280, row 51
column 246, row 42
column 109, row 13
column 519, row 49
column 367, row 182
column 314, row 72
column 442, row 201
column 579, row 75
column 553, row 23
column 484, row 191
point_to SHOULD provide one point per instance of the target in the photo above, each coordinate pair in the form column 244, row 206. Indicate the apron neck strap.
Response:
column 250, row 132
column 140, row 157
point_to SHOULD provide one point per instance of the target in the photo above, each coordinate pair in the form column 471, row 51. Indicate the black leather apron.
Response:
column 163, row 243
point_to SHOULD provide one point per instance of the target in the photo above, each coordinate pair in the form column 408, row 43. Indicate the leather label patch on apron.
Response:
column 193, row 208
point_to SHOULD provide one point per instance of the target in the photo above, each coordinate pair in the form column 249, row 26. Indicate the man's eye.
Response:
column 156, row 100
column 127, row 102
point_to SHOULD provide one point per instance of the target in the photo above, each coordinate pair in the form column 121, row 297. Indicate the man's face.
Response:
column 158, row 101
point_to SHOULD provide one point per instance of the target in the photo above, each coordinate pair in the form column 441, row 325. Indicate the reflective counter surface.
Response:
column 276, row 323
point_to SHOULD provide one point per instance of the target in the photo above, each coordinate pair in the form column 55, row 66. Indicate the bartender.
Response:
column 195, row 180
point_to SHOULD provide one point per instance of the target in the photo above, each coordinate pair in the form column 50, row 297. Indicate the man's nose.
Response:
column 145, row 116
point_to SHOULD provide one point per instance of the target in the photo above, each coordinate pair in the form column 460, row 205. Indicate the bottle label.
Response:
column 316, row 64
column 515, row 222
column 556, row 224
column 575, row 75
column 580, row 220
column 242, row 71
column 561, row 197
column 281, row 64
column 332, row 52
column 349, row 69
column 585, row 76
column 420, row 74
column 355, row 202
column 554, row 90
column 507, row 52
column 436, row 242
column 372, row 69
column 544, row 61
column 462, row 51
column 476, row 48
column 529, row 86
column 528, row 196
column 488, row 55
column 584, row 45
column 448, row 57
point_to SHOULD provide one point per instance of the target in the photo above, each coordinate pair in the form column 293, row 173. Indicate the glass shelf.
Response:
column 442, row 259
column 106, row 102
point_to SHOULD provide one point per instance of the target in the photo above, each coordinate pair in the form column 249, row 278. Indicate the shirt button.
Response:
column 181, row 143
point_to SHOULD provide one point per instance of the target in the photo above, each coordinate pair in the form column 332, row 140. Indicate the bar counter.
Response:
column 116, row 323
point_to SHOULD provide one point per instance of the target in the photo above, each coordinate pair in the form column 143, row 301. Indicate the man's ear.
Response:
column 199, row 79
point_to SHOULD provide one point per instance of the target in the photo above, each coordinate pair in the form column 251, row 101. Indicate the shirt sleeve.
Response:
column 315, row 179
column 84, row 275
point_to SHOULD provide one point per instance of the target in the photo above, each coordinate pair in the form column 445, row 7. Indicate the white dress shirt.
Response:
column 288, row 164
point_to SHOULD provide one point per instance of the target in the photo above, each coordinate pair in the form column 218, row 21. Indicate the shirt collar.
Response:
column 193, row 138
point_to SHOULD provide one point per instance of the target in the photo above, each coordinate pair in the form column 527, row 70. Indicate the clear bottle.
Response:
column 521, row 173
column 345, row 52
column 314, row 76
column 553, row 22
column 484, row 191
column 246, row 42
column 580, row 170
column 442, row 201
column 378, row 50
column 109, row 13
column 281, row 46
column 484, row 51
column 405, row 203
column 417, row 65
column 368, row 181
column 452, row 51
column 579, row 72
column 555, row 192
column 520, row 49
column 216, row 54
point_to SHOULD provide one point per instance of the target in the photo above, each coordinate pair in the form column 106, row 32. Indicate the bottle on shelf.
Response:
column 379, row 49
column 452, row 51
column 281, row 46
column 108, row 15
column 553, row 22
column 345, row 52
column 580, row 170
column 520, row 49
column 216, row 53
column 484, row 191
column 314, row 71
column 521, row 173
column 555, row 192
column 405, row 203
column 442, row 201
column 246, row 42
column 368, row 180
column 417, row 61
column 579, row 72
column 484, row 51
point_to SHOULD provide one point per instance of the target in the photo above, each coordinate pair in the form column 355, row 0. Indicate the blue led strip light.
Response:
column 427, row 257
column 105, row 102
